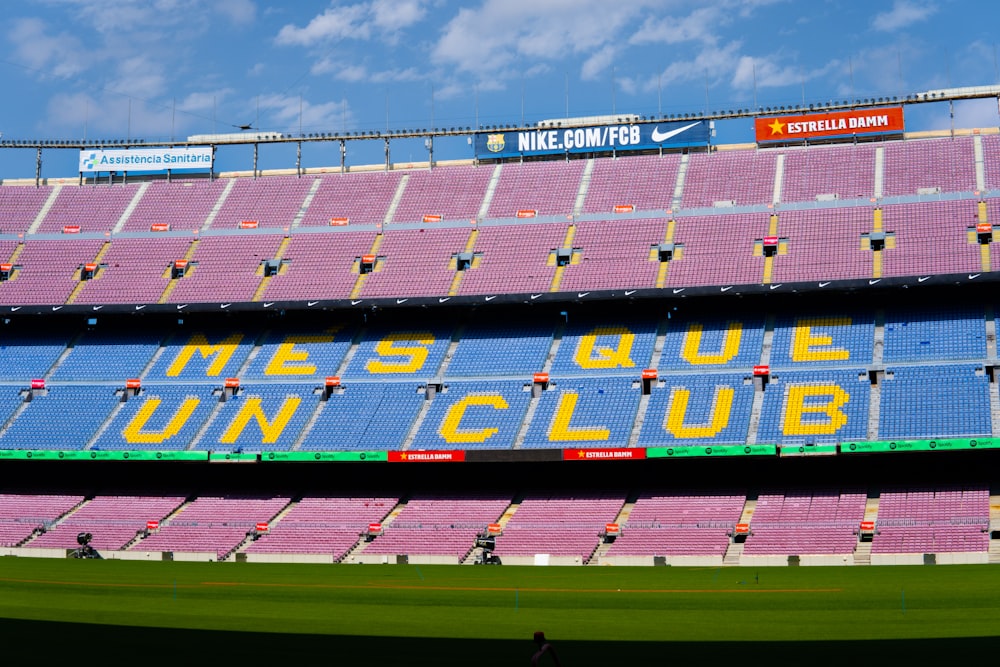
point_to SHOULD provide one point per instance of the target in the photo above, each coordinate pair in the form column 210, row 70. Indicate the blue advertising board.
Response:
column 672, row 134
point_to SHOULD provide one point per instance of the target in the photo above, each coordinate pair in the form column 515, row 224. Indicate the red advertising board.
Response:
column 527, row 213
column 332, row 381
column 984, row 227
column 624, row 208
column 742, row 528
column 540, row 378
column 444, row 456
column 6, row 267
column 133, row 383
column 152, row 525
column 180, row 263
column 262, row 527
column 160, row 227
column 612, row 529
column 836, row 124
column 604, row 454
column 231, row 383
column 428, row 217
column 339, row 222
column 761, row 370
column 494, row 529
column 367, row 259
column 38, row 384
column 649, row 374
column 770, row 240
column 867, row 526
column 71, row 229
column 374, row 529
column 249, row 224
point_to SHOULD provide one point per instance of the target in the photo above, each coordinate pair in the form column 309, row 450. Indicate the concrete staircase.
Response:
column 360, row 546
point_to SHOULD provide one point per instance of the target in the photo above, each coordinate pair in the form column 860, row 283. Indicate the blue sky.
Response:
column 161, row 69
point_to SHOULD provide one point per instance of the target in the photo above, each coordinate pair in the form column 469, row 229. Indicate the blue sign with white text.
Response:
column 673, row 134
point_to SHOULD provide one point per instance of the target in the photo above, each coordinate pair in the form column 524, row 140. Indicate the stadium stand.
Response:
column 518, row 188
column 454, row 193
column 843, row 172
column 806, row 522
column 184, row 205
column 743, row 177
column 92, row 209
column 932, row 520
column 365, row 416
column 469, row 415
column 644, row 181
column 362, row 198
column 22, row 514
column 113, row 521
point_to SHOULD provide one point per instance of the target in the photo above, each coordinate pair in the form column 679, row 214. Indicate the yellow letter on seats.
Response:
column 809, row 347
column 450, row 428
column 284, row 360
column 718, row 420
column 560, row 429
column 198, row 343
column 795, row 408
column 606, row 357
column 251, row 409
column 691, row 349
column 415, row 354
column 134, row 434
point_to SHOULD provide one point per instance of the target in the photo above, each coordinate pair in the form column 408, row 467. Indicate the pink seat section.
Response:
column 550, row 188
column 615, row 254
column 184, row 205
column 49, row 271
column 439, row 525
column 322, row 526
column 946, row 164
column 845, row 171
column 933, row 520
column 113, row 521
column 514, row 258
column 741, row 176
column 679, row 524
column 559, row 525
column 417, row 262
column 134, row 271
column 362, row 198
column 21, row 514
column 319, row 266
column 95, row 208
column 718, row 250
column 271, row 201
column 19, row 206
column 646, row 182
column 931, row 237
column 454, row 193
column 806, row 522
column 212, row 524
column 227, row 268
column 824, row 244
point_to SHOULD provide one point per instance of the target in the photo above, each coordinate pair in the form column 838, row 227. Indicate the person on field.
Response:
column 544, row 647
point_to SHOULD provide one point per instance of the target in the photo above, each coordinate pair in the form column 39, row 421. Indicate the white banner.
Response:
column 145, row 159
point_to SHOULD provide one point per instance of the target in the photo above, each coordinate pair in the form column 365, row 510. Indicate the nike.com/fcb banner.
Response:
column 145, row 159
column 839, row 124
column 592, row 139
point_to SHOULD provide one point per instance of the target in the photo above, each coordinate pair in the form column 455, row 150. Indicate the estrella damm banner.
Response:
column 589, row 139
column 838, row 124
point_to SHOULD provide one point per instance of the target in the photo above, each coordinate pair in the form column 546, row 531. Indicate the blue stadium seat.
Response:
column 25, row 356
column 107, row 355
column 578, row 412
column 935, row 334
column 66, row 418
column 300, row 355
column 474, row 415
column 161, row 417
column 262, row 417
column 202, row 355
column 596, row 348
column 702, row 421
column 500, row 351
column 830, row 340
column 691, row 344
column 366, row 415
column 815, row 406
column 399, row 353
column 935, row 402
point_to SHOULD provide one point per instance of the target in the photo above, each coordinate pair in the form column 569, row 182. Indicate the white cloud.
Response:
column 285, row 110
column 51, row 55
column 598, row 63
column 357, row 21
column 237, row 11
column 697, row 26
column 394, row 15
column 770, row 72
column 904, row 13
column 711, row 63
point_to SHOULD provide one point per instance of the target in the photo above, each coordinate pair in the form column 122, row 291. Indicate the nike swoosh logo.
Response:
column 182, row 306
column 776, row 286
column 872, row 282
column 580, row 295
column 98, row 307
column 268, row 304
column 824, row 284
column 678, row 291
column 490, row 298
column 397, row 301
column 224, row 305
column 447, row 298
column 54, row 308
column 630, row 292
column 354, row 303
column 14, row 309
column 973, row 276
column 726, row 289
column 137, row 307
column 920, row 280
column 658, row 136
column 535, row 296
column 311, row 303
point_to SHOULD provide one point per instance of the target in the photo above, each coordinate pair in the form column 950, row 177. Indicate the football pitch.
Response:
column 442, row 615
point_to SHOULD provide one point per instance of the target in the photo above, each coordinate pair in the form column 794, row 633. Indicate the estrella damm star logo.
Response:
column 495, row 142
column 581, row 454
column 777, row 127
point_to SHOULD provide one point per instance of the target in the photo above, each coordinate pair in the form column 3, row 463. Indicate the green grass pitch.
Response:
column 487, row 615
